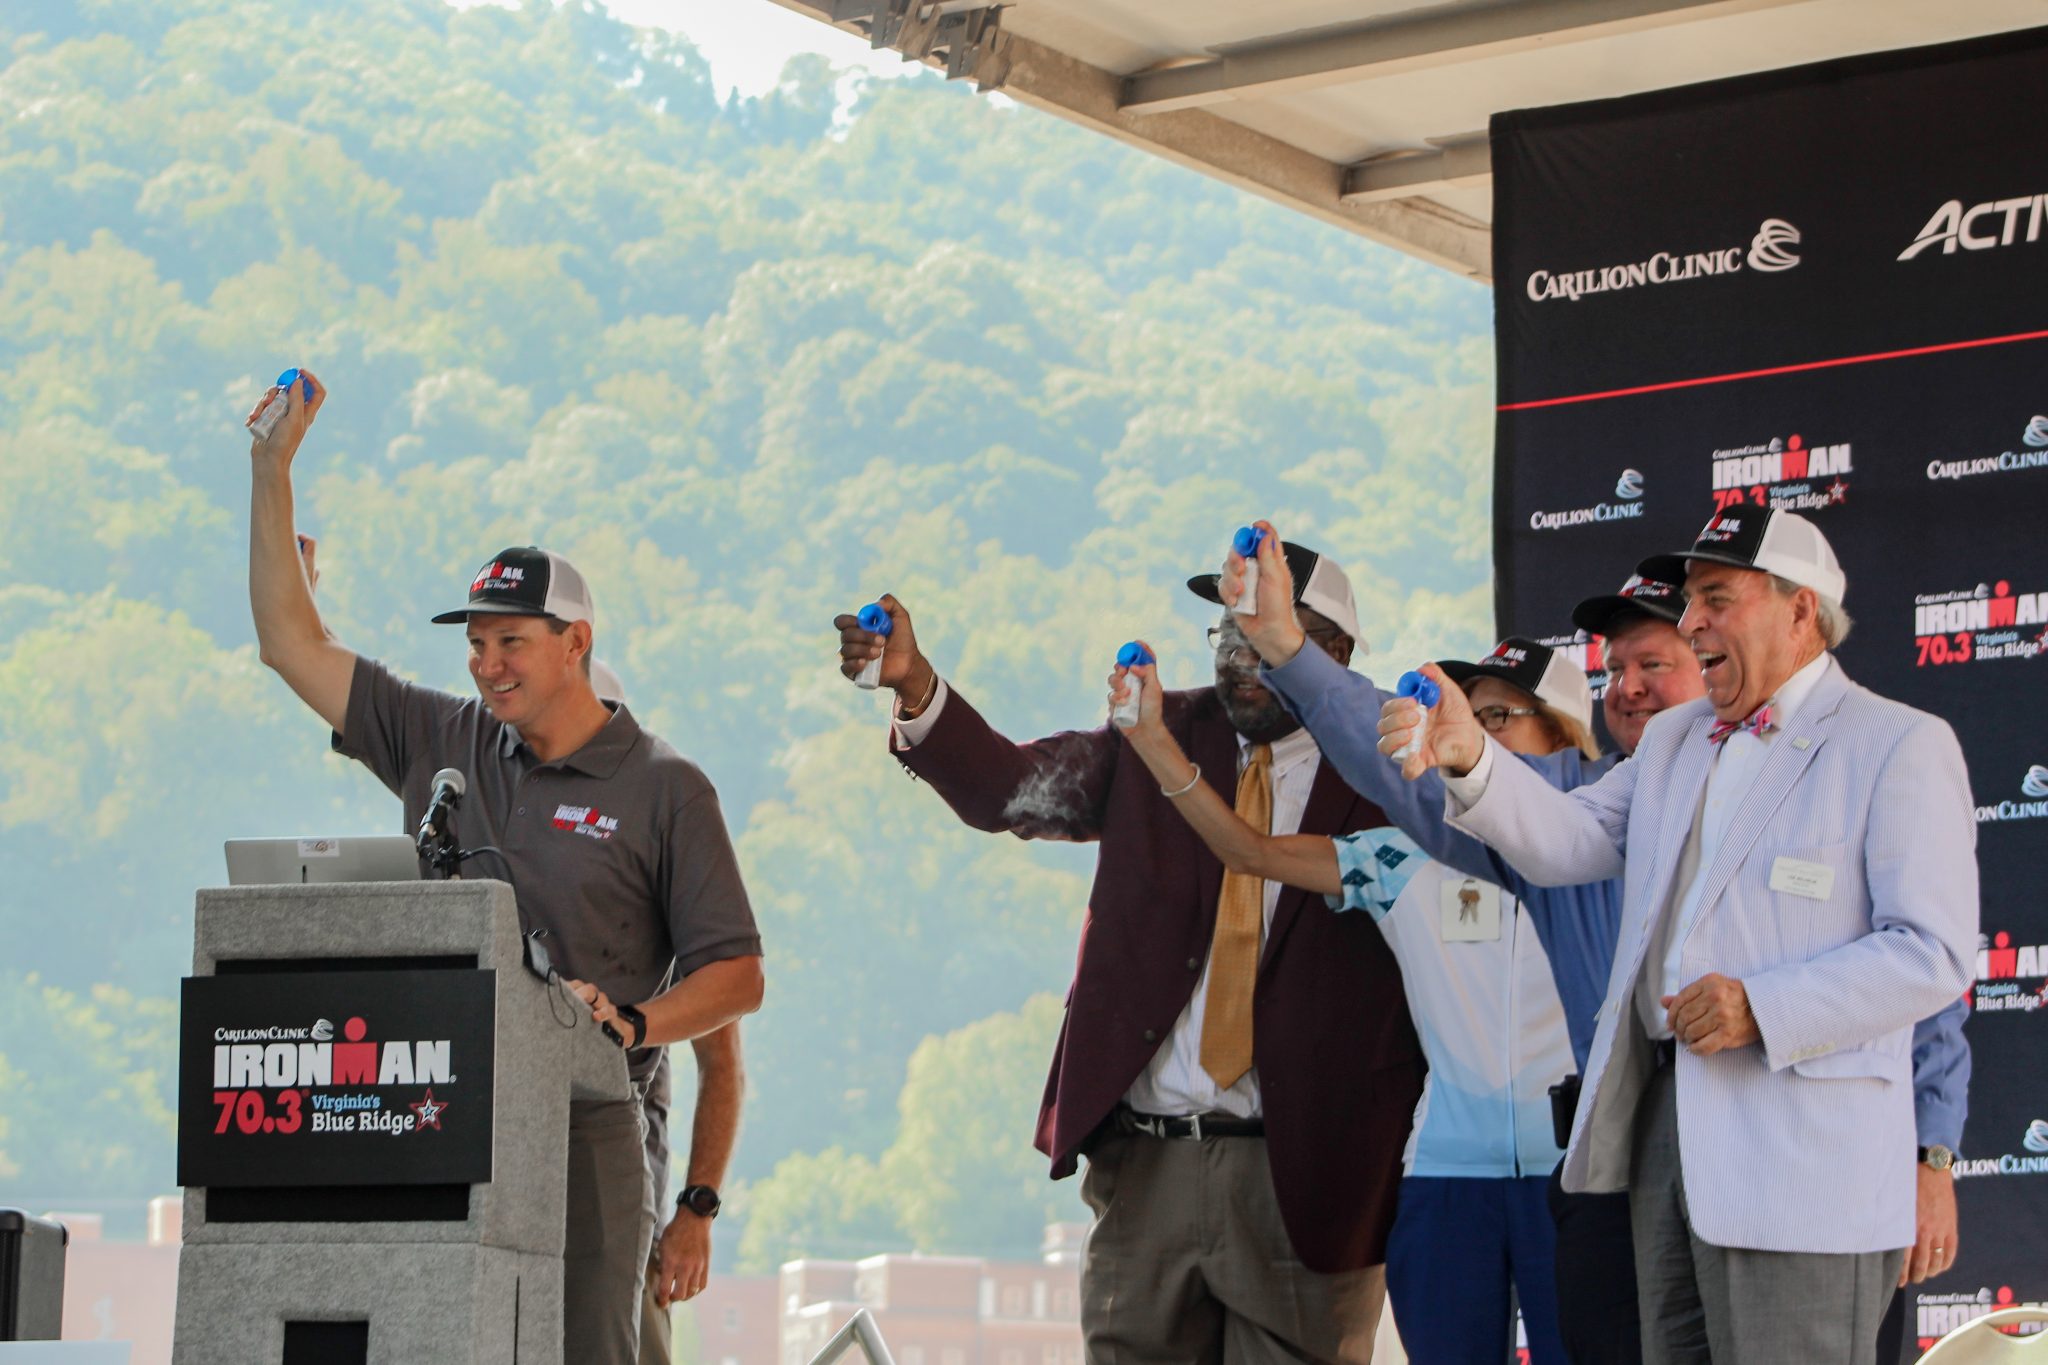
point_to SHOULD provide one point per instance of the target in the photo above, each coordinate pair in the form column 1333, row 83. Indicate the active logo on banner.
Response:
column 2034, row 456
column 1936, row 1315
column 1628, row 505
column 1783, row 472
column 2011, row 978
column 1769, row 251
column 1983, row 624
column 1980, row 227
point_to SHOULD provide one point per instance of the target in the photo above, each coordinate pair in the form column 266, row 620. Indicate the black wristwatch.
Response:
column 701, row 1200
column 632, row 1015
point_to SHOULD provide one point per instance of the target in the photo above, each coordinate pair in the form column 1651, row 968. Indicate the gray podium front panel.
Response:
column 433, row 1289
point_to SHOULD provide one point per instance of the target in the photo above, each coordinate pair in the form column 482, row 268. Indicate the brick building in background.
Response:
column 940, row 1310
column 123, row 1291
column 737, row 1322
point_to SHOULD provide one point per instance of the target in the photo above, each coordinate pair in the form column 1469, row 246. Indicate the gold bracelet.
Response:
column 914, row 712
column 1169, row 795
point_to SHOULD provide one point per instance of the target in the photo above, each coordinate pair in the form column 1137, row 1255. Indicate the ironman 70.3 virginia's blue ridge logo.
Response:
column 1784, row 472
column 377, row 1077
column 1936, row 1315
column 265, row 1080
column 1983, row 624
column 2012, row 978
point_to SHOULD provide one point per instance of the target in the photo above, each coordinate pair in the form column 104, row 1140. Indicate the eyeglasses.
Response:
column 1232, row 649
column 1496, row 718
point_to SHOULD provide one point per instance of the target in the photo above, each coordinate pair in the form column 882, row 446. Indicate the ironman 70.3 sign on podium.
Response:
column 336, row 1078
column 373, row 1129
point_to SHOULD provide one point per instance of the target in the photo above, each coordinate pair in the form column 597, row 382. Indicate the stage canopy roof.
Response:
column 1372, row 114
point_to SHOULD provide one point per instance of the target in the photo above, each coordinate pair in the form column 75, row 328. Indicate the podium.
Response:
column 373, row 1129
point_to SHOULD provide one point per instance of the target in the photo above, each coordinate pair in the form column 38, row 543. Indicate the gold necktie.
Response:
column 1234, row 953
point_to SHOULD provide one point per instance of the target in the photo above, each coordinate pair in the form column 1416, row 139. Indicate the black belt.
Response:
column 1667, row 1052
column 1194, row 1127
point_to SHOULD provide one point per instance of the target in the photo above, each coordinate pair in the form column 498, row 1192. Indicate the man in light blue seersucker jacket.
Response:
column 1800, row 878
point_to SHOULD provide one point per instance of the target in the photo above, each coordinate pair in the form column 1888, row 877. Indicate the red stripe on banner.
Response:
column 1775, row 369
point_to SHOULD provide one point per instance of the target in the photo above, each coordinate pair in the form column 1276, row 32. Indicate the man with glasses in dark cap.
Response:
column 1237, row 1064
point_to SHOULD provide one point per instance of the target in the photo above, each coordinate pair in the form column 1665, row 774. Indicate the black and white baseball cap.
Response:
column 525, row 581
column 1319, row 585
column 1764, row 539
column 1639, row 597
column 1539, row 670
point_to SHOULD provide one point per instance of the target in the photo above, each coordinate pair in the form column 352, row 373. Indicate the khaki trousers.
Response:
column 1188, row 1263
column 657, row 1333
column 610, row 1217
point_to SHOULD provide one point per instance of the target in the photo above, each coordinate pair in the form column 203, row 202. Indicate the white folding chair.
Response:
column 1981, row 1343
column 860, row 1330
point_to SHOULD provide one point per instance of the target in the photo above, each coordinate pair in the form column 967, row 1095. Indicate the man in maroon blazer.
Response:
column 1241, row 1083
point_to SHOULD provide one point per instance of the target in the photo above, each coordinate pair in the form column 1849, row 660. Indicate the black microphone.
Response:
column 449, row 785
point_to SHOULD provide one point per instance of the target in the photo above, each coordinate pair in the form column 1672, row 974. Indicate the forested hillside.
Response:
column 749, row 363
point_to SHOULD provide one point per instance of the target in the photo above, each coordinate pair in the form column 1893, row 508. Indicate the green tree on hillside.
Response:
column 750, row 362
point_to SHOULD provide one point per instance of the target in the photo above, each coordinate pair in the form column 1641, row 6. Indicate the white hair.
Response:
column 1832, row 622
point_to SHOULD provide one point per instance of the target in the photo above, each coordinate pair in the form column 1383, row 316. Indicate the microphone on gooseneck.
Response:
column 435, row 831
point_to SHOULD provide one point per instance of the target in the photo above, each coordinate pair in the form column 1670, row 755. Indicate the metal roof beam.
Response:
column 1456, row 163
column 1238, row 156
column 1409, row 42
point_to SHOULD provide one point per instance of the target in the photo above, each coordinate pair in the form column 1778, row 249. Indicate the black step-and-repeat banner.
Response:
column 1824, row 290
column 297, row 1079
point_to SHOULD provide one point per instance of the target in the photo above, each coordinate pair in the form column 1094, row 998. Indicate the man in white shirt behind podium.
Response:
column 1800, row 887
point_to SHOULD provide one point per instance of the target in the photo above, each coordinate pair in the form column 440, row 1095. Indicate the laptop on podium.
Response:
column 312, row 862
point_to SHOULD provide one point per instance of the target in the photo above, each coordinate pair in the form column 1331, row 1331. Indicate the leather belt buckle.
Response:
column 1195, row 1127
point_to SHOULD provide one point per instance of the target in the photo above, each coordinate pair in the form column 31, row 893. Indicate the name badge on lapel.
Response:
column 1468, row 910
column 1796, row 877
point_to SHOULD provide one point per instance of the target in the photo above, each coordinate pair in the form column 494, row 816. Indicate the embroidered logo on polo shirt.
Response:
column 586, row 820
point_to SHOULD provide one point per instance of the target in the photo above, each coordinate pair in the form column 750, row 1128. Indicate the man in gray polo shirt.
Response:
column 613, row 841
column 679, row 1266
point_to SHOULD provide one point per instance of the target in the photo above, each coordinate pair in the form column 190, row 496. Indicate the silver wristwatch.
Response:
column 1937, row 1156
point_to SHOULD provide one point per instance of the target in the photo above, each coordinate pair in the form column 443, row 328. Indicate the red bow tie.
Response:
column 1759, row 724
